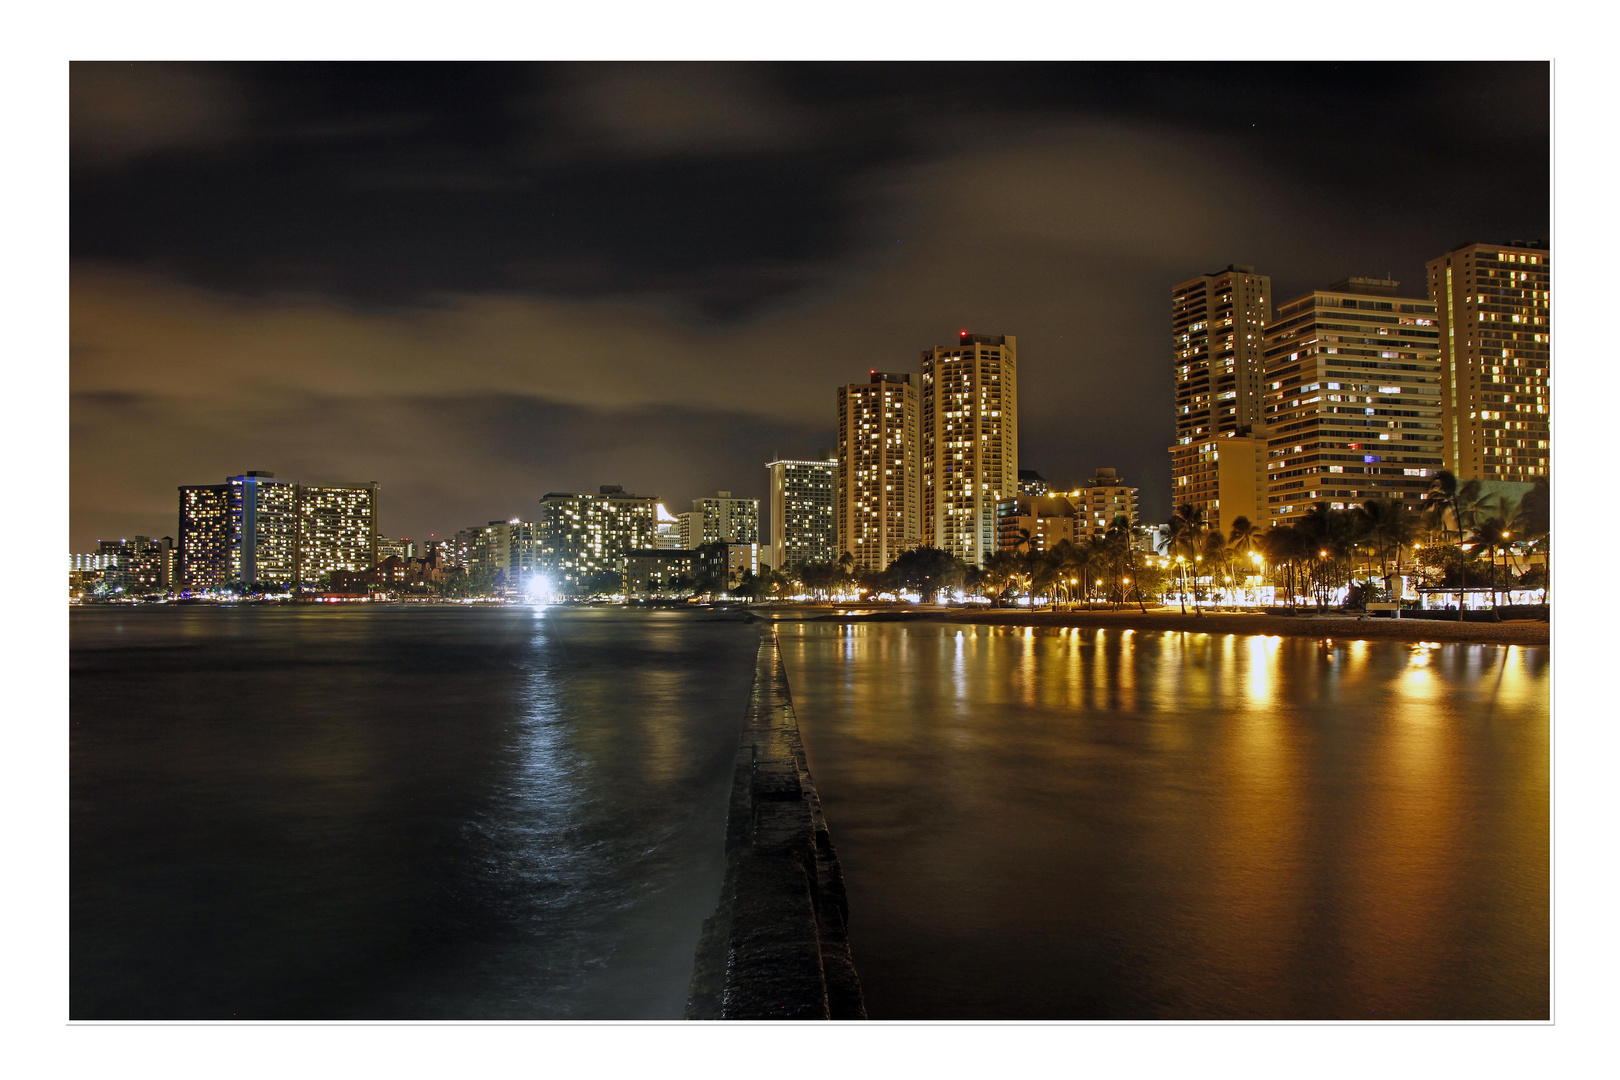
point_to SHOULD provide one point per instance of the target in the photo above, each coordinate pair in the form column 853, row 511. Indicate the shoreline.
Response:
column 1512, row 632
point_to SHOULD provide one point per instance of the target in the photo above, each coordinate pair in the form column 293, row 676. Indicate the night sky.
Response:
column 479, row 283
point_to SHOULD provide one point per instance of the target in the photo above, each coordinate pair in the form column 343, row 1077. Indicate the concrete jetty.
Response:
column 776, row 947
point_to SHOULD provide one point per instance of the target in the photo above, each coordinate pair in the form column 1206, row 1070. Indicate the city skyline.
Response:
column 631, row 274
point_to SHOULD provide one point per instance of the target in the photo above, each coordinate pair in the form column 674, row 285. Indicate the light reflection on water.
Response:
column 418, row 813
column 1103, row 823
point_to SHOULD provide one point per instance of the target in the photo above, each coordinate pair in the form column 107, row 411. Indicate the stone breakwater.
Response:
column 776, row 947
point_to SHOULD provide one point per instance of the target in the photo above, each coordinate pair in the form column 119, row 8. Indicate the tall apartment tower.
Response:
column 337, row 529
column 803, row 528
column 1494, row 308
column 205, row 538
column 1352, row 399
column 1217, row 326
column 727, row 519
column 582, row 534
column 264, row 530
column 877, row 469
column 969, row 442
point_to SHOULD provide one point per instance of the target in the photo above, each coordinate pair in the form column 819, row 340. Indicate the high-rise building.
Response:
column 337, row 529
column 1103, row 498
column 1217, row 327
column 583, row 535
column 256, row 532
column 877, row 500
column 803, row 527
column 1352, row 399
column 724, row 519
column 1493, row 306
column 264, row 531
column 205, row 537
column 969, row 442
column 689, row 527
column 508, row 548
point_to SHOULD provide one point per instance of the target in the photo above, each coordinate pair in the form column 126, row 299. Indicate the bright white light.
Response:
column 537, row 589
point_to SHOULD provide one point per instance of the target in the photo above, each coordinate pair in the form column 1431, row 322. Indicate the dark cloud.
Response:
column 418, row 273
column 121, row 112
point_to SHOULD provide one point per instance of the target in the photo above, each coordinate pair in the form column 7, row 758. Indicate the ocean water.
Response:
column 396, row 812
column 1048, row 823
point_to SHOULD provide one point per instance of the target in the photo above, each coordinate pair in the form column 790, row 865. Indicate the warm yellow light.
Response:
column 1126, row 580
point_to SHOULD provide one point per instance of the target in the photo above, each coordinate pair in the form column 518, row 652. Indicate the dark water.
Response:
column 1049, row 823
column 406, row 813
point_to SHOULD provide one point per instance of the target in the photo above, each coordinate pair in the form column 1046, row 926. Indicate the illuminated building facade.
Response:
column 1217, row 326
column 258, row 533
column 969, row 442
column 134, row 567
column 388, row 548
column 264, row 531
column 583, row 535
column 509, row 548
column 1031, row 482
column 877, row 501
column 337, row 529
column 205, row 538
column 1352, row 399
column 727, row 520
column 1039, row 521
column 803, row 525
column 1493, row 304
column 658, row 572
column 668, row 529
column 1104, row 497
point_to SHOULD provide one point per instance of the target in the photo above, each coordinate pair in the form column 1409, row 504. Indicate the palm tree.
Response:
column 1387, row 523
column 1448, row 495
column 1284, row 546
column 1184, row 542
column 1216, row 555
column 1121, row 540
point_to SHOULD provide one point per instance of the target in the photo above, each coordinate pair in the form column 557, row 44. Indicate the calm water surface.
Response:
column 436, row 812
column 1082, row 823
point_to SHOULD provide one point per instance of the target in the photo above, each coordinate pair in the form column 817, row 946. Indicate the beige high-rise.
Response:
column 1494, row 303
column 1352, row 399
column 1217, row 462
column 969, row 442
column 877, row 469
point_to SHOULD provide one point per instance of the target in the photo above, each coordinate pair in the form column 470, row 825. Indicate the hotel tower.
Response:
column 1352, row 399
column 969, row 442
column 1494, row 307
column 1217, row 327
column 877, row 469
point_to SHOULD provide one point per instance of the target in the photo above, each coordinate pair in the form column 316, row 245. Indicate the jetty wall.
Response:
column 776, row 947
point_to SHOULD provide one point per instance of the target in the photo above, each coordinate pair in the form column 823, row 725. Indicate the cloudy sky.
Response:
column 479, row 283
